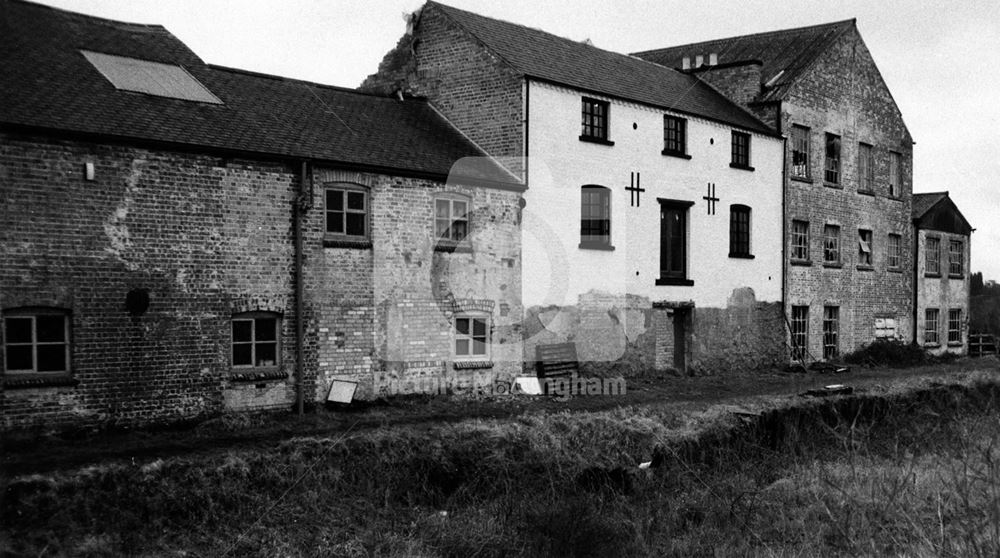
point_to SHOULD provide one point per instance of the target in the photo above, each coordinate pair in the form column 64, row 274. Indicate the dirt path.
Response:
column 24, row 455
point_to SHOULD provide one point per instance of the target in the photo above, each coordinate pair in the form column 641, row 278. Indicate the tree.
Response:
column 977, row 283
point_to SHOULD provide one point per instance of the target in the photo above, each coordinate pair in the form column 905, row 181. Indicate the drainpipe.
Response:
column 784, row 227
column 297, row 213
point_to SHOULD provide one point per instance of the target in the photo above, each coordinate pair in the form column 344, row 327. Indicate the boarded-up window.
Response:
column 885, row 328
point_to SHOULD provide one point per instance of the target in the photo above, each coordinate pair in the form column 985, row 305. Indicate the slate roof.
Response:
column 545, row 56
column 47, row 83
column 788, row 52
column 937, row 211
column 922, row 203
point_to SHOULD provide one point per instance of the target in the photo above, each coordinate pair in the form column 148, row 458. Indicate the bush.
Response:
column 888, row 352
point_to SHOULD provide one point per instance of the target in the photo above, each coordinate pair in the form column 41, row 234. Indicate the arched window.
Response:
column 36, row 340
column 256, row 340
column 739, row 231
column 595, row 217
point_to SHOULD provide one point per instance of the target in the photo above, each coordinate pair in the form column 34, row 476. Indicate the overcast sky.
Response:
column 939, row 59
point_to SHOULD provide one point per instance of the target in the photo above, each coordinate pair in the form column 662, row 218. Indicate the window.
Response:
column 831, row 329
column 932, row 256
column 741, row 150
column 673, row 242
column 739, row 231
column 895, row 174
column 595, row 217
column 864, row 247
column 955, row 257
column 832, row 174
column 36, row 340
column 674, row 135
column 800, row 332
column 471, row 337
column 866, row 168
column 152, row 78
column 255, row 339
column 931, row 326
column 894, row 255
column 347, row 212
column 451, row 218
column 831, row 244
column 885, row 328
column 595, row 120
column 800, row 240
column 954, row 326
column 800, row 152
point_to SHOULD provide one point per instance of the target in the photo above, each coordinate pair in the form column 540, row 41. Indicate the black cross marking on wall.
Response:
column 634, row 189
column 710, row 198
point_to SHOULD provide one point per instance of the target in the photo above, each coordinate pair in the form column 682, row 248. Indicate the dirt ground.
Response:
column 25, row 454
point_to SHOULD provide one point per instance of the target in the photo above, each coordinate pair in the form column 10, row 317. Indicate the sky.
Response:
column 938, row 59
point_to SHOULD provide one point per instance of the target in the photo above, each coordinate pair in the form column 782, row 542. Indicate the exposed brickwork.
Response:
column 741, row 83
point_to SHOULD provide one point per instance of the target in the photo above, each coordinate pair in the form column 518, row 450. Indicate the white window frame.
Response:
column 470, row 337
column 451, row 199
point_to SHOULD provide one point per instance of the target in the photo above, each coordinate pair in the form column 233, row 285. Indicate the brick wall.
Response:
column 473, row 88
column 741, row 83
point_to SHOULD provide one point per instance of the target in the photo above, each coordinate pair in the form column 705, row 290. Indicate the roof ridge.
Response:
column 96, row 19
column 287, row 79
column 761, row 34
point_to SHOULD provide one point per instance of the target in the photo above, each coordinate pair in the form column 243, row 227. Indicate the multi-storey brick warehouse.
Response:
column 848, row 177
column 182, row 251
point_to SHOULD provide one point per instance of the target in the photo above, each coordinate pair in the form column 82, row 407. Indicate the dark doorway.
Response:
column 680, row 336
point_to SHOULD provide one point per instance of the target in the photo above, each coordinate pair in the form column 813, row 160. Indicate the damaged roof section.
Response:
column 50, row 84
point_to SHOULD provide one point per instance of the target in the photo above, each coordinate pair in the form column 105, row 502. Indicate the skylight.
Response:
column 153, row 78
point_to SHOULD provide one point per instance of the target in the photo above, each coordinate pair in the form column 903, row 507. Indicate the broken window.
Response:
column 346, row 212
column 832, row 174
column 800, row 151
column 36, row 340
column 955, row 258
column 864, row 247
column 595, row 217
column 866, row 168
column 741, row 150
column 595, row 119
column 893, row 254
column 451, row 218
column 932, row 256
column 931, row 326
column 831, row 332
column 255, row 339
column 954, row 326
column 800, row 240
column 895, row 174
column 471, row 336
column 674, row 135
column 739, row 231
column 800, row 332
column 831, row 244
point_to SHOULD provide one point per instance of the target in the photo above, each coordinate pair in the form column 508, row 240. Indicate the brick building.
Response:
column 941, row 276
column 180, row 239
column 652, row 226
column 848, row 173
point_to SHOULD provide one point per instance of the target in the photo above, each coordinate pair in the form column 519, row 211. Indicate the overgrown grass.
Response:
column 888, row 352
column 915, row 473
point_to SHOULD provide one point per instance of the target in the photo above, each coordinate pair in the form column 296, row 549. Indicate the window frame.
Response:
column 827, row 249
column 866, row 168
column 935, row 269
column 794, row 247
column 895, row 181
column 866, row 260
column 451, row 198
column 799, row 332
column 471, row 336
column 599, row 241
column 954, row 326
column 345, row 189
column 668, row 275
column 740, row 150
column 801, row 139
column 831, row 332
column 894, row 255
column 740, row 241
column 253, row 317
column 956, row 259
column 32, row 313
column 932, row 336
column 832, row 161
column 595, row 128
column 676, row 146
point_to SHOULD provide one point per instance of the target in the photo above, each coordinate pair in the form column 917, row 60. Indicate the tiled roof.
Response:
column 548, row 57
column 787, row 52
column 922, row 203
column 48, row 83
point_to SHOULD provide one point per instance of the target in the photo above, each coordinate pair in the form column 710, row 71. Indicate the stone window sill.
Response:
column 741, row 167
column 933, row 275
column 678, row 154
column 831, row 265
column 28, row 381
column 931, row 345
column 804, row 263
column 805, row 179
column 452, row 247
column 833, row 185
column 360, row 243
column 257, row 375
column 741, row 256
column 676, row 281
column 865, row 268
column 894, row 198
column 472, row 364
column 867, row 193
column 894, row 270
column 956, row 276
column 599, row 141
column 955, row 343
column 586, row 245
